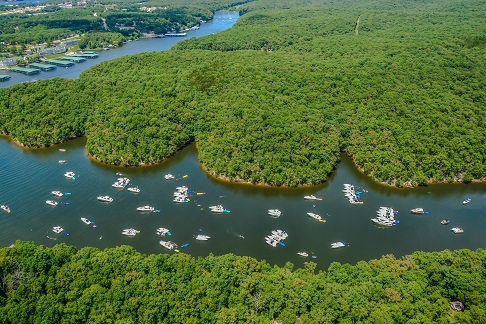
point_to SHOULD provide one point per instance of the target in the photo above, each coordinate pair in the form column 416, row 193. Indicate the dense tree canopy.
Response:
column 66, row 285
column 274, row 99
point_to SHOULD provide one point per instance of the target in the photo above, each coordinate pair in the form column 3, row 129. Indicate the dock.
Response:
column 73, row 59
column 42, row 66
column 176, row 34
column 86, row 55
column 28, row 71
column 60, row 63
column 4, row 77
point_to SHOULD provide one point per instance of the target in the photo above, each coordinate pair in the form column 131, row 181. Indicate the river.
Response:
column 222, row 20
column 29, row 175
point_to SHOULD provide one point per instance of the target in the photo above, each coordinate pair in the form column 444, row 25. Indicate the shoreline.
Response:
column 225, row 179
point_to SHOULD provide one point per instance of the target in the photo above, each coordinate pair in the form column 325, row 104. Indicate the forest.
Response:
column 65, row 285
column 275, row 99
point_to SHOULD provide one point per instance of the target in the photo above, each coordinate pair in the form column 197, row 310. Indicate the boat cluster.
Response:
column 276, row 238
column 121, row 183
column 385, row 216
column 352, row 195
column 181, row 194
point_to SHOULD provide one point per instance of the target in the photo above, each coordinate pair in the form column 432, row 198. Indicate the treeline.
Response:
column 65, row 285
column 404, row 97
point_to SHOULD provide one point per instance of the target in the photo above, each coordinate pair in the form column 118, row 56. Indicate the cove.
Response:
column 29, row 175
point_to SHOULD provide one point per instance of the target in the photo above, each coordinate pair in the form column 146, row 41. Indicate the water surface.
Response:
column 28, row 176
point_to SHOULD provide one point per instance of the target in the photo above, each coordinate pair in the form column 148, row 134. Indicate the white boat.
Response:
column 457, row 230
column 62, row 161
column 169, row 177
column 145, row 209
column 121, row 183
column 382, row 222
column 51, row 203
column 169, row 245
column 303, row 254
column 69, row 174
column 62, row 150
column 338, row 245
column 179, row 199
column 217, row 209
column 163, row 231
column 105, row 198
column 467, row 201
column 5, row 208
column 57, row 229
column 130, row 232
column 202, row 237
column 134, row 189
column 86, row 221
column 57, row 193
column 311, row 197
column 417, row 211
column 280, row 234
column 315, row 216
column 274, row 212
column 271, row 241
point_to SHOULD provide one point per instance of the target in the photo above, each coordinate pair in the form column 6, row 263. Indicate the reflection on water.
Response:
column 29, row 176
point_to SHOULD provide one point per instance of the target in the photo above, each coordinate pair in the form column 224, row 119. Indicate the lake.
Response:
column 222, row 20
column 29, row 175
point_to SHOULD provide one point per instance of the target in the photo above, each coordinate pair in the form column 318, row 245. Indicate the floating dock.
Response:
column 73, row 59
column 4, row 77
column 176, row 35
column 23, row 70
column 88, row 55
column 43, row 67
column 60, row 63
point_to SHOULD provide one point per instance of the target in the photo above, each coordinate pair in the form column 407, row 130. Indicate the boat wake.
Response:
column 235, row 234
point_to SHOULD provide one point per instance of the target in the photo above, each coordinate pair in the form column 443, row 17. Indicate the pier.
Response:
column 23, row 70
column 176, row 34
column 4, row 77
column 73, row 59
column 60, row 63
column 86, row 55
column 43, row 67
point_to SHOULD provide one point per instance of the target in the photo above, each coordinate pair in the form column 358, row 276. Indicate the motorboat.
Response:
column 105, row 198
column 216, row 209
column 130, row 232
column 169, row 177
column 5, row 208
column 274, row 212
column 303, row 254
column 271, row 241
column 382, row 222
column 169, row 245
column 179, row 199
column 62, row 161
column 57, row 229
column 134, row 189
column 86, row 221
column 417, row 211
column 121, row 183
column 62, row 150
column 163, row 231
column 311, row 197
column 457, row 230
column 280, row 234
column 467, row 201
column 145, row 209
column 57, row 193
column 315, row 216
column 445, row 221
column 51, row 203
column 338, row 245
column 202, row 237
column 70, row 174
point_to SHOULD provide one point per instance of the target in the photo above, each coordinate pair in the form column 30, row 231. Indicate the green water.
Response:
column 27, row 178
